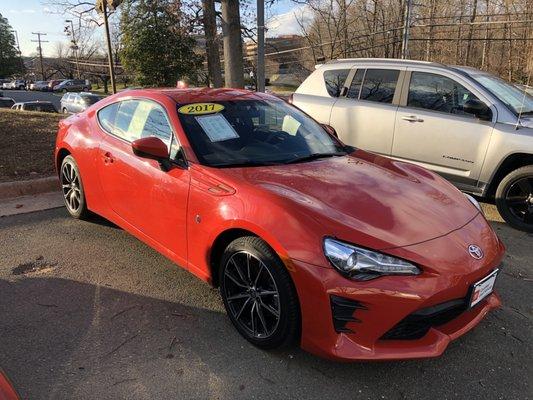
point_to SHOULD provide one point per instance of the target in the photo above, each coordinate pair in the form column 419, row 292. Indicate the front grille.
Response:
column 416, row 325
column 343, row 310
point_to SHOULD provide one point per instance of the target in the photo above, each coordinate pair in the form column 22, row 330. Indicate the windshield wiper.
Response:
column 313, row 156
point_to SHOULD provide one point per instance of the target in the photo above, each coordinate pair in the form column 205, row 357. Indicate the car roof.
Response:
column 196, row 95
column 35, row 102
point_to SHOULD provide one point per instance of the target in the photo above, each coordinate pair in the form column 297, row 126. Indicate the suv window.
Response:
column 379, row 85
column 334, row 80
column 355, row 86
column 438, row 93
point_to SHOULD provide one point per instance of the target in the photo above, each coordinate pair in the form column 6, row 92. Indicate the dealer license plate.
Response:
column 483, row 288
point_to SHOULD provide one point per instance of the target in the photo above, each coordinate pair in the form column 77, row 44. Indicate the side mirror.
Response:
column 329, row 129
column 478, row 108
column 150, row 147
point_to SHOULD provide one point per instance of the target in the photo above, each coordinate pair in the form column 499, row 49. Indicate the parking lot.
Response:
column 89, row 312
column 27, row 95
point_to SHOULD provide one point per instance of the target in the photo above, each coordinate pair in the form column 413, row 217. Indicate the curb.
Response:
column 25, row 188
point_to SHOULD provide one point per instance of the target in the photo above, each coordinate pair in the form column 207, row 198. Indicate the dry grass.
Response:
column 27, row 142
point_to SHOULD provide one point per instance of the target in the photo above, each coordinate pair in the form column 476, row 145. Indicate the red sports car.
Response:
column 354, row 255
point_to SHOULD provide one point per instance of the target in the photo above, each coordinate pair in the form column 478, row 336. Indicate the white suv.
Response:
column 467, row 125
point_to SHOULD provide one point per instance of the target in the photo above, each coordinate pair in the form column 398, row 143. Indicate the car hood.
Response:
column 366, row 199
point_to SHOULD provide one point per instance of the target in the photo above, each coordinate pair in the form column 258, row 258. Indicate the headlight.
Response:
column 362, row 264
column 474, row 202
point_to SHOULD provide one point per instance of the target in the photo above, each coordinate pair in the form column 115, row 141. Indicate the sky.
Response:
column 27, row 16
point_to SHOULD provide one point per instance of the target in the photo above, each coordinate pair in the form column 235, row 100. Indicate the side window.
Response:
column 334, row 80
column 355, row 86
column 107, row 115
column 156, row 123
column 438, row 93
column 379, row 85
column 123, row 121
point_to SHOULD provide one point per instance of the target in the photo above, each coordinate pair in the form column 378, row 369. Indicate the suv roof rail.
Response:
column 388, row 60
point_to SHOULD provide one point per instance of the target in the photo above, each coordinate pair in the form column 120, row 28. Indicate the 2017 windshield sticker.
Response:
column 217, row 127
column 200, row 108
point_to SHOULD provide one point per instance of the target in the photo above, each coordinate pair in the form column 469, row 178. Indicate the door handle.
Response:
column 412, row 118
column 108, row 158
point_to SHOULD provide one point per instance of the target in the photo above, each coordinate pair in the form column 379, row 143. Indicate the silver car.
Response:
column 467, row 125
column 73, row 103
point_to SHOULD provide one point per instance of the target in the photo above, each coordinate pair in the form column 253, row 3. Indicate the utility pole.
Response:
column 260, row 46
column 109, row 50
column 74, row 46
column 40, row 48
column 18, row 48
column 405, row 34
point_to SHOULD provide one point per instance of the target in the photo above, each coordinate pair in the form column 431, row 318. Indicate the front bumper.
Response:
column 380, row 305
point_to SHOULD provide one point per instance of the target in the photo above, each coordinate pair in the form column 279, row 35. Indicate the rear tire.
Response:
column 514, row 198
column 72, row 188
column 258, row 294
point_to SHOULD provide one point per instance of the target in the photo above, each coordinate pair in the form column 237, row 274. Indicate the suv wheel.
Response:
column 514, row 198
column 258, row 294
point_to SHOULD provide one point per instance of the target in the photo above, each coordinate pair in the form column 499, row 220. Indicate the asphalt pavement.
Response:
column 33, row 95
column 89, row 312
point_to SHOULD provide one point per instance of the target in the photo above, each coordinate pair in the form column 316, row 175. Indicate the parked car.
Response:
column 353, row 255
column 19, row 84
column 467, row 125
column 6, row 102
column 42, row 106
column 73, row 85
column 53, row 83
column 73, row 103
column 39, row 85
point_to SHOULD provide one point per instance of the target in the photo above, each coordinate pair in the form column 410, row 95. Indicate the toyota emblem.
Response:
column 475, row 252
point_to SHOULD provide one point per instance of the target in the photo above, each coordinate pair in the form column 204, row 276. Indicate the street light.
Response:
column 74, row 45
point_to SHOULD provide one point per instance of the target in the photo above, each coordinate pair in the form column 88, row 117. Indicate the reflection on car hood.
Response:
column 365, row 198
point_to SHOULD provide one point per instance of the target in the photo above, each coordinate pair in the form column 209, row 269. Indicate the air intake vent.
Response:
column 343, row 310
column 416, row 325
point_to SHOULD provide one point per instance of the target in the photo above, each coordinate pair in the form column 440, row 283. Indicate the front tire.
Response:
column 514, row 198
column 258, row 294
column 72, row 188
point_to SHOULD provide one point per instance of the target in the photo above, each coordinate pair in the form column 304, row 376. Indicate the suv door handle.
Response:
column 412, row 118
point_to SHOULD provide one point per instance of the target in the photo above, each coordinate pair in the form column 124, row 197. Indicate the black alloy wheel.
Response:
column 258, row 293
column 514, row 198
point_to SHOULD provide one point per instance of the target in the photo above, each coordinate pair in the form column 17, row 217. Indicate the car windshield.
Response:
column 518, row 101
column 254, row 132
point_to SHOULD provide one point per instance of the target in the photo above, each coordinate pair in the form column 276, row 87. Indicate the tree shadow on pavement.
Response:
column 63, row 339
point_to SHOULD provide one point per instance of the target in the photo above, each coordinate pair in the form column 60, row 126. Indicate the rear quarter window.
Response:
column 334, row 80
column 106, row 117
